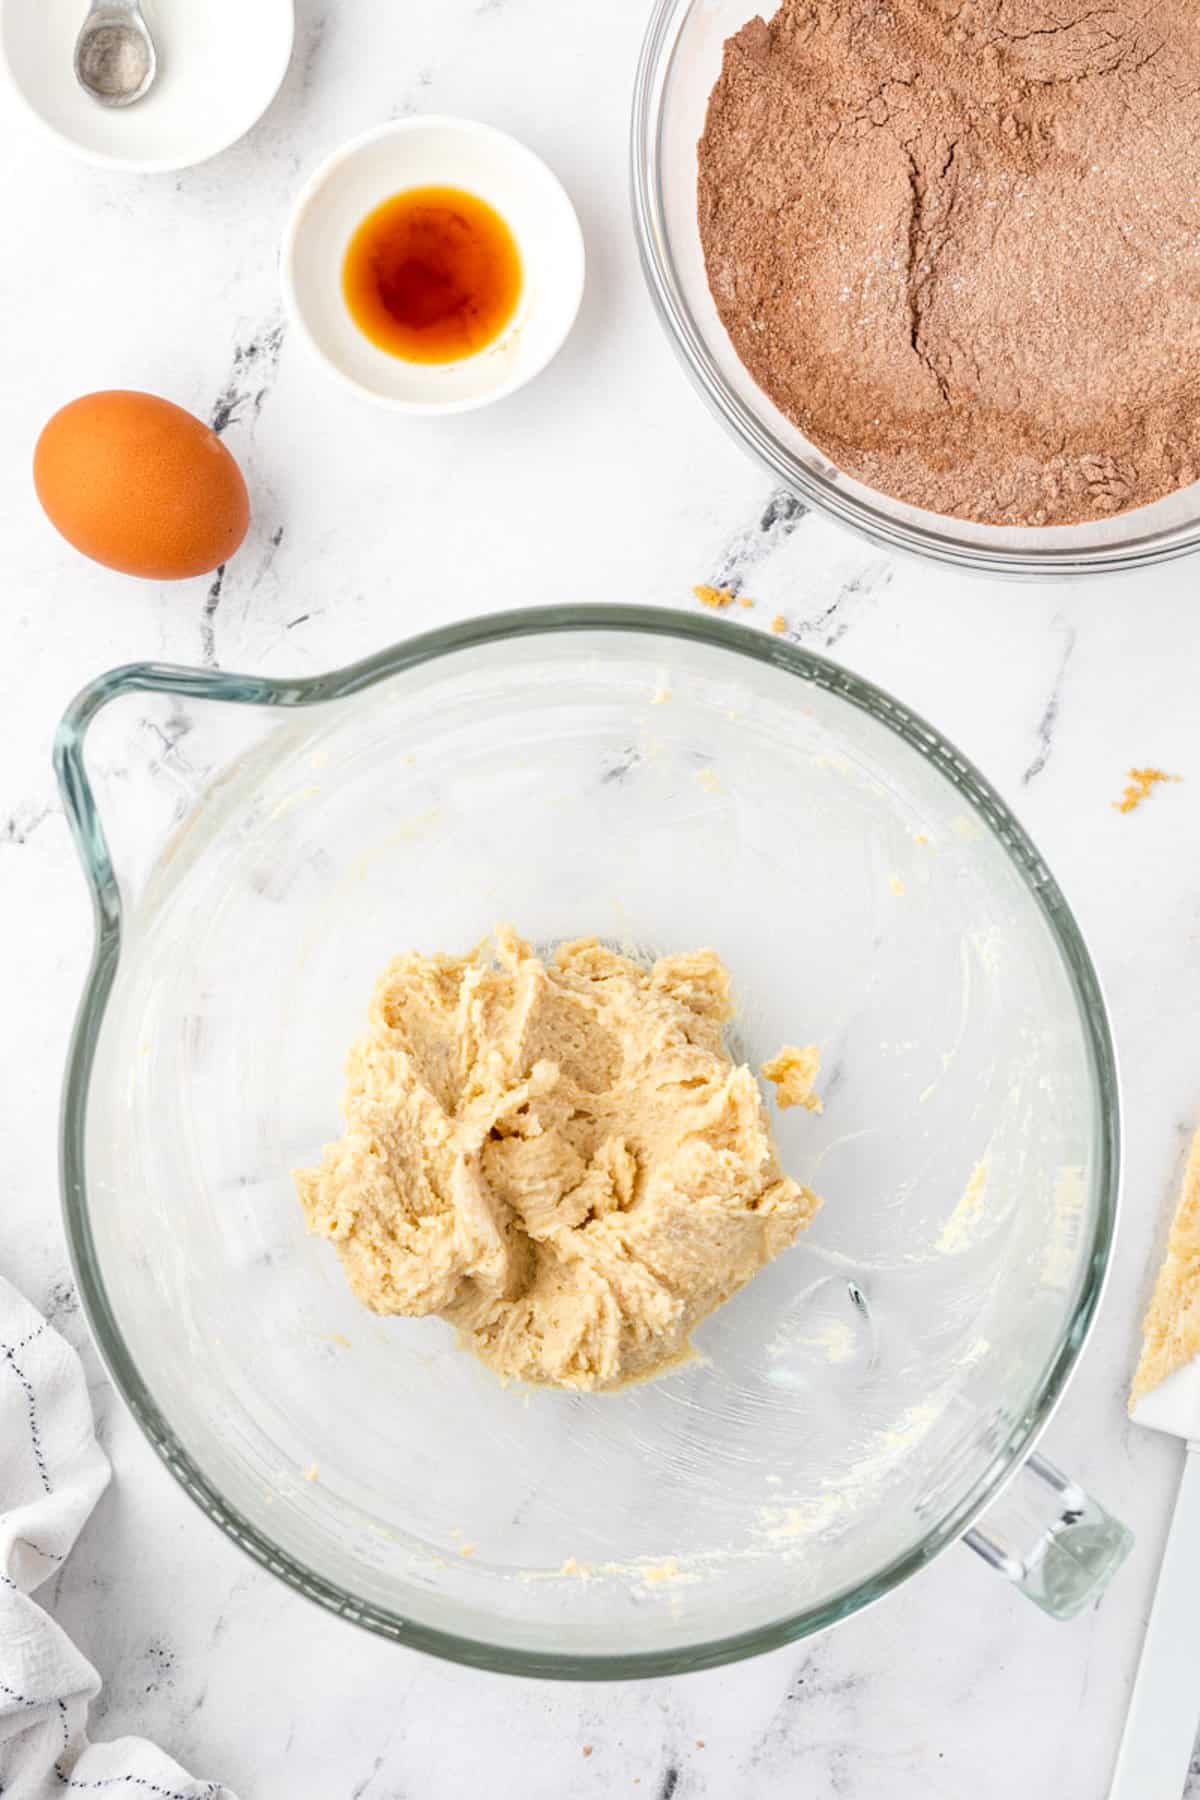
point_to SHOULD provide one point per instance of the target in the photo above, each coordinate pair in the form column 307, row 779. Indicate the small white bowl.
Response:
column 446, row 152
column 220, row 63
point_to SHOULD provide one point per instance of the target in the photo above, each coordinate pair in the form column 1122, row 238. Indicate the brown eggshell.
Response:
column 140, row 485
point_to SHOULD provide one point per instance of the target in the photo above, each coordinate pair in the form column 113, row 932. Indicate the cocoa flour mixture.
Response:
column 958, row 243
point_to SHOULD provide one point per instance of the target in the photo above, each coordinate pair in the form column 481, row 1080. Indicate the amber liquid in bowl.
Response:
column 432, row 275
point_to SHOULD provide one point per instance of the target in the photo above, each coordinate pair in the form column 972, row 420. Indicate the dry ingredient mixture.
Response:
column 560, row 1158
column 958, row 243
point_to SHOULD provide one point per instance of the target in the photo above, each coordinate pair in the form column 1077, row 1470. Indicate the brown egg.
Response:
column 140, row 485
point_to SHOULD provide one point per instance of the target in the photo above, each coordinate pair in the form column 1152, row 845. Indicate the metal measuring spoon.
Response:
column 115, row 60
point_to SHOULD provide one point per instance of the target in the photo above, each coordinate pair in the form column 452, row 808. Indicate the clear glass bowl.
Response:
column 664, row 782
column 680, row 62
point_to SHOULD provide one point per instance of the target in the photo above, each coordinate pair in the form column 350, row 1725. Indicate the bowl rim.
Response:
column 343, row 683
column 646, row 132
column 574, row 255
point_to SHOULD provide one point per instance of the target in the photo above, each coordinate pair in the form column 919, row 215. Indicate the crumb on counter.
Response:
column 709, row 780
column 896, row 885
column 745, row 601
column 466, row 1549
column 779, row 624
column 660, row 696
column 792, row 1074
column 1139, row 785
column 714, row 596
column 587, row 1750
column 312, row 1473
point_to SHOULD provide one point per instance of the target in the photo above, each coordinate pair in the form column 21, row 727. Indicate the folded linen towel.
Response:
column 52, row 1472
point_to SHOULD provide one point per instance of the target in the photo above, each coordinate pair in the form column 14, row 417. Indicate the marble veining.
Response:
column 1048, row 723
column 604, row 480
column 754, row 543
column 834, row 619
column 255, row 366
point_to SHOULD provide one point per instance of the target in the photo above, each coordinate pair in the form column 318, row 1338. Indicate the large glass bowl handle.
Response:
column 1051, row 1540
column 146, row 678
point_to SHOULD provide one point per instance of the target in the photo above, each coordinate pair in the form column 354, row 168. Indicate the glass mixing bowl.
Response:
column 680, row 62
column 665, row 782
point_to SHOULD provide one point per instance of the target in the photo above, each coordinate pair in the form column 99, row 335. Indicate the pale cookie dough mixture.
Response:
column 1171, row 1330
column 792, row 1074
column 561, row 1158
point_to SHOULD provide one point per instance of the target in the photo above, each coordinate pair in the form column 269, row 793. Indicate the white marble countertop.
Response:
column 604, row 480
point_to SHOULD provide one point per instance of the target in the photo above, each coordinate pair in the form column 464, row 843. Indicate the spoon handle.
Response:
column 1160, row 1728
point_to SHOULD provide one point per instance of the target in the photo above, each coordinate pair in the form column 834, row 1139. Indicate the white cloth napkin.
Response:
column 52, row 1472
